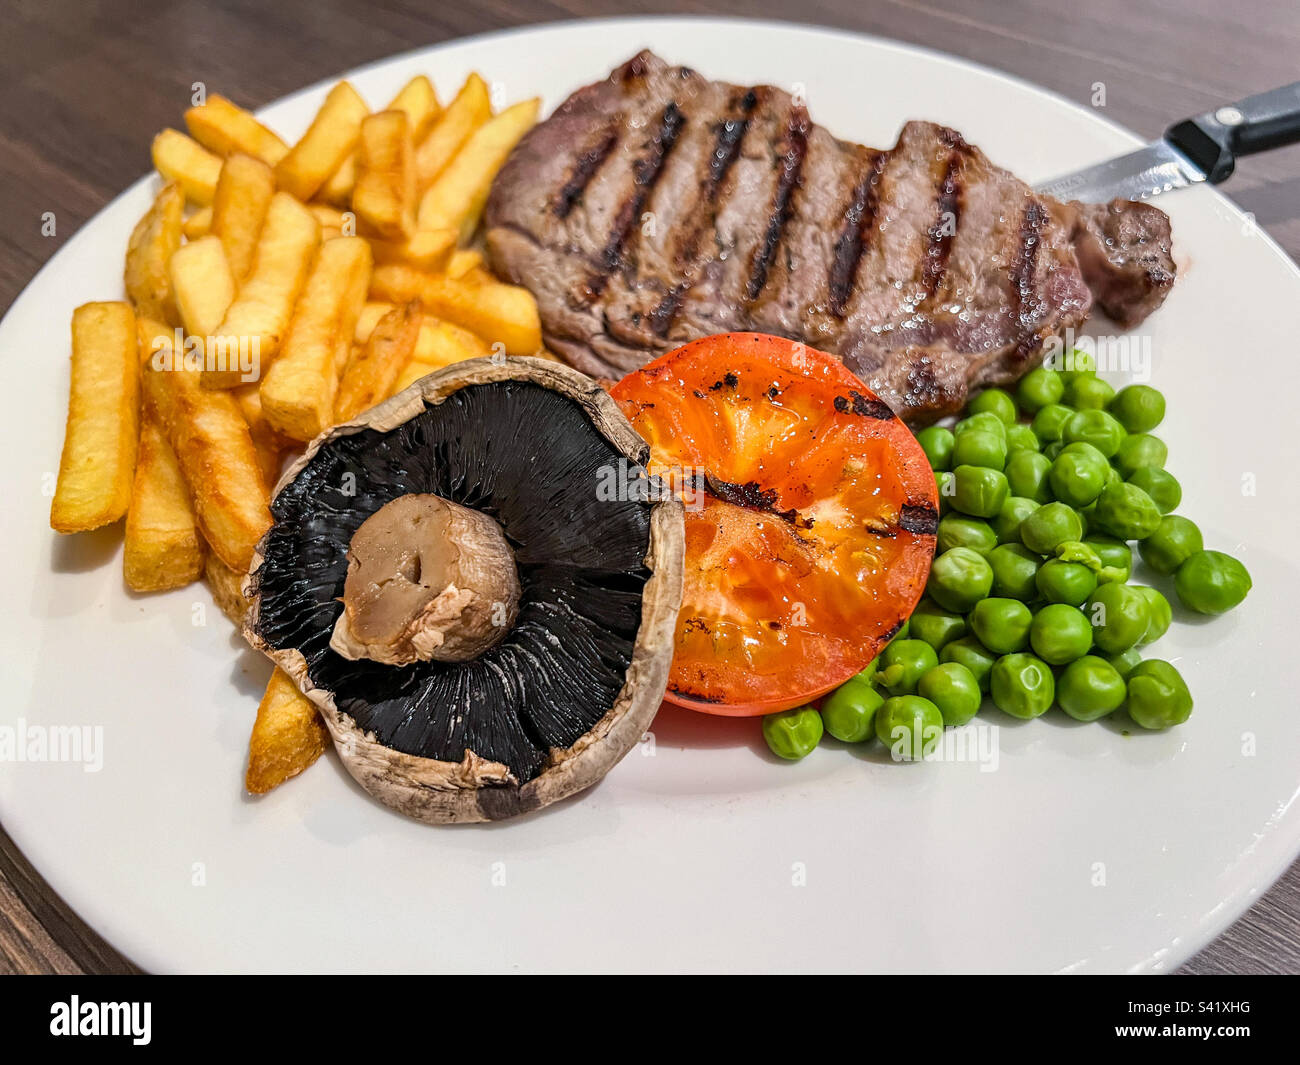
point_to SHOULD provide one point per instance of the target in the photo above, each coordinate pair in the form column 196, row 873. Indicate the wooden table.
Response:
column 84, row 88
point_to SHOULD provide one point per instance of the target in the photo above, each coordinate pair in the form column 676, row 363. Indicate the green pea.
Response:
column 1119, row 615
column 1175, row 540
column 1127, row 512
column 936, row 626
column 959, row 530
column 1090, row 688
column 1158, row 695
column 1050, row 451
column 1021, row 438
column 792, row 734
column 1080, row 552
column 959, row 578
column 1039, row 388
column 1139, row 408
column 1078, row 362
column 1161, row 485
column 977, row 447
column 1007, row 523
column 1002, row 625
column 1022, row 685
column 1088, row 393
column 909, row 726
column 902, row 663
column 945, row 488
column 995, row 401
column 1162, row 614
column 1115, row 555
column 1048, row 526
column 1124, row 662
column 849, row 712
column 936, row 442
column 1211, row 582
column 1060, row 634
column 985, row 422
column 954, row 690
column 1049, row 422
column 1078, row 474
column 1065, row 582
column 1027, row 473
column 1014, row 569
column 972, row 654
column 904, row 630
column 1139, row 451
column 979, row 491
column 1094, row 427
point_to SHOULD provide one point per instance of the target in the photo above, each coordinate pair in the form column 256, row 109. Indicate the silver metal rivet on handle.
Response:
column 1229, row 116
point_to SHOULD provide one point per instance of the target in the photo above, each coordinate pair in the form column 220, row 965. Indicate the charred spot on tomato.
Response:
column 728, row 380
column 919, row 518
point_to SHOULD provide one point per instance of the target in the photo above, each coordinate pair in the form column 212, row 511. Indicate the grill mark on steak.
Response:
column 584, row 169
column 1028, row 307
column 794, row 150
column 934, row 262
column 859, row 222
column 646, row 172
column 731, row 133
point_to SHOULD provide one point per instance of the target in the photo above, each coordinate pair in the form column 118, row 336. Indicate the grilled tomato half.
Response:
column 810, row 517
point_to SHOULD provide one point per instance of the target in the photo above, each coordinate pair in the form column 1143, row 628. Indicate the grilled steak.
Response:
column 656, row 206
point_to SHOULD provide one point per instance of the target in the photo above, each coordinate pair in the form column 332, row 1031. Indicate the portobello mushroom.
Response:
column 485, row 627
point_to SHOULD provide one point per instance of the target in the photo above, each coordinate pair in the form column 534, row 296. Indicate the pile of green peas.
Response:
column 1041, row 492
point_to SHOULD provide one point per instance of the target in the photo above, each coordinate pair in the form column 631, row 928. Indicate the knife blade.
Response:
column 1147, row 172
column 1200, row 149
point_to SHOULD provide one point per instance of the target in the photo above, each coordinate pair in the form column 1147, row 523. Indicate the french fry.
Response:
column 225, row 127
column 287, row 736
column 418, row 99
column 328, row 141
column 299, row 389
column 215, row 452
column 373, row 368
column 152, row 242
column 425, row 249
column 239, row 206
column 409, row 374
column 227, row 588
column 202, row 284
column 261, row 311
column 329, row 217
column 384, row 197
column 184, row 160
column 371, row 312
column 456, row 197
column 270, row 442
column 499, row 313
column 463, row 261
column 469, row 110
column 199, row 223
column 442, row 343
column 99, row 444
column 163, row 547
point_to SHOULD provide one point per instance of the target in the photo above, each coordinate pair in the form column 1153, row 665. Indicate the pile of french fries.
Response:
column 274, row 291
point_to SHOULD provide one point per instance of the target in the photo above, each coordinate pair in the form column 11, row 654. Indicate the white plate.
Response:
column 1085, row 850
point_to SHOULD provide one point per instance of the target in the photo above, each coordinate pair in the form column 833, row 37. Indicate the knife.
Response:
column 1198, row 149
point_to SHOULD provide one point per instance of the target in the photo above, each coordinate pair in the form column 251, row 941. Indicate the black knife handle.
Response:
column 1214, row 140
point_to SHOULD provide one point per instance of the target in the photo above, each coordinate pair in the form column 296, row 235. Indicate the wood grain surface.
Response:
column 85, row 85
